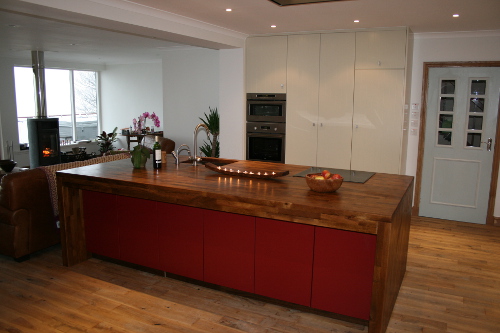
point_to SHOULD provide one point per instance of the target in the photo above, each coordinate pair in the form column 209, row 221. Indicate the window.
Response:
column 71, row 96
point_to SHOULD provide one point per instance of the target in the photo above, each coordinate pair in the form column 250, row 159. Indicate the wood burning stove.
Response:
column 43, row 135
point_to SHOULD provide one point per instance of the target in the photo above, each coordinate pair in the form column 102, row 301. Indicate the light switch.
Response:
column 414, row 106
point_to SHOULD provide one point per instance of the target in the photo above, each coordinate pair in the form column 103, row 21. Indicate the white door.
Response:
column 462, row 107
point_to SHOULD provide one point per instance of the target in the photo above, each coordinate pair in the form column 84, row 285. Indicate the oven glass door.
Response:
column 272, row 111
column 266, row 147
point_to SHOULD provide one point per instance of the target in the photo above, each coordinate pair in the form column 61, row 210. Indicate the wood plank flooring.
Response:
column 452, row 284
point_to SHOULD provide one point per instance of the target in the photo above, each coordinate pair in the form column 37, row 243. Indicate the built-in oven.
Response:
column 266, row 107
column 266, row 142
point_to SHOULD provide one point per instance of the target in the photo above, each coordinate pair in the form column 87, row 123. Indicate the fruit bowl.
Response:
column 7, row 165
column 318, row 183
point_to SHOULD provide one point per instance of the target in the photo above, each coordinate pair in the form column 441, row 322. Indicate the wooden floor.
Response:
column 452, row 284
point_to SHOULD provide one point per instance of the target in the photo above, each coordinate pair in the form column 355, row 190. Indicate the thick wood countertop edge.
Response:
column 287, row 198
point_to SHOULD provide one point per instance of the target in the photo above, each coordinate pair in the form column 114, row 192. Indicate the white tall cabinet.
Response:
column 345, row 96
column 319, row 99
column 378, row 133
column 265, row 59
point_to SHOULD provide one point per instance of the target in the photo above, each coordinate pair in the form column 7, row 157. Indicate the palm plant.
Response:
column 211, row 148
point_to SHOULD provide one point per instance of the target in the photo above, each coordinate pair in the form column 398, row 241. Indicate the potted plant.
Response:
column 212, row 147
column 105, row 141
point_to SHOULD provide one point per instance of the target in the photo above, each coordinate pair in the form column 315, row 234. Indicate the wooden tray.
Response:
column 227, row 170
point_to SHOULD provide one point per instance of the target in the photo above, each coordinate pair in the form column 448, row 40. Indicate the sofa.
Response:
column 28, row 208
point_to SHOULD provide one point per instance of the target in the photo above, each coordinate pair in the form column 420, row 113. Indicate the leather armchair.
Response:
column 27, row 211
column 27, row 222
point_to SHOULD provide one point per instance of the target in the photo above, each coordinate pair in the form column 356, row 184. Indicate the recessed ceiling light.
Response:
column 229, row 10
column 456, row 15
column 356, row 21
column 273, row 26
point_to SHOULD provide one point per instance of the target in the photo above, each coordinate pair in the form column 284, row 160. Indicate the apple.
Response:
column 336, row 176
column 326, row 174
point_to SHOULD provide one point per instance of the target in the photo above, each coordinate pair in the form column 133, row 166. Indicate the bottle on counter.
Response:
column 156, row 154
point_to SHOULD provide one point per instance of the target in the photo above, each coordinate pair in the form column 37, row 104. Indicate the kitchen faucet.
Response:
column 179, row 149
column 195, row 141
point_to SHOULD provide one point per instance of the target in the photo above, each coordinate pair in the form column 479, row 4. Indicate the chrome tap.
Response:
column 196, row 158
column 182, row 147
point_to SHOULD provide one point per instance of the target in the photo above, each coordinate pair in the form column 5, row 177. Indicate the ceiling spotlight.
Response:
column 456, row 15
column 229, row 10
column 273, row 26
column 356, row 21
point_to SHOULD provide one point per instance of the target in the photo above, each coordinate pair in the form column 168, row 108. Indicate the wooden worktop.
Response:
column 355, row 206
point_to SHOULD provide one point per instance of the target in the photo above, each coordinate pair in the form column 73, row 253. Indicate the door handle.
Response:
column 488, row 143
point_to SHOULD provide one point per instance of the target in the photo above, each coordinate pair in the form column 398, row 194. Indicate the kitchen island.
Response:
column 342, row 252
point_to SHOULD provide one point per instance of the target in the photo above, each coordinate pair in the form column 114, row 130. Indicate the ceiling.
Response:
column 62, row 40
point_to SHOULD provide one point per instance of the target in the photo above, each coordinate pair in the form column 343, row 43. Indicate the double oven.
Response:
column 266, row 127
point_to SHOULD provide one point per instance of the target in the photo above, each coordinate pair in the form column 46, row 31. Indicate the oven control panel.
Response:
column 258, row 127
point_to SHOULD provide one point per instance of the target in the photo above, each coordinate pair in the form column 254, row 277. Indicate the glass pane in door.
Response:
column 445, row 121
column 476, row 105
column 478, row 87
column 474, row 140
column 444, row 138
column 447, row 87
column 475, row 123
column 446, row 103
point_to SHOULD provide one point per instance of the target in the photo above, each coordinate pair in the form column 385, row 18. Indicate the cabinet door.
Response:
column 343, row 272
column 181, row 240
column 336, row 89
column 381, row 49
column 138, row 226
column 101, row 226
column 266, row 64
column 229, row 250
column 302, row 99
column 283, row 260
column 378, row 120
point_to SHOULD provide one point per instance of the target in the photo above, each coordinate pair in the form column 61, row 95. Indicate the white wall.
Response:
column 190, row 87
column 433, row 47
column 127, row 91
column 232, row 101
column 8, row 111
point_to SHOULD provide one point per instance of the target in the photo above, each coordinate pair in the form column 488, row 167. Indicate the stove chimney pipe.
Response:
column 38, row 63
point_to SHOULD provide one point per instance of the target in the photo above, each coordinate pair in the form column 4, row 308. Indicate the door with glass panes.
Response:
column 462, row 107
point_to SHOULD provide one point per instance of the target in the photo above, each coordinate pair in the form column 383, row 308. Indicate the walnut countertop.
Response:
column 355, row 206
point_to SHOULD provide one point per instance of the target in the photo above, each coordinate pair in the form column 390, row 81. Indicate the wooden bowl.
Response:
column 7, row 165
column 323, row 185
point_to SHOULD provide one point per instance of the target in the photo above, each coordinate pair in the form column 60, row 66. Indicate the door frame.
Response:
column 490, row 220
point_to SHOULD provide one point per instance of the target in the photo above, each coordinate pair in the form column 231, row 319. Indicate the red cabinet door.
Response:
column 138, row 223
column 343, row 272
column 284, row 260
column 101, row 227
column 181, row 240
column 229, row 250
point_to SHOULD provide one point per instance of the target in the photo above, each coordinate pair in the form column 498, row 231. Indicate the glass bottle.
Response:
column 156, row 154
